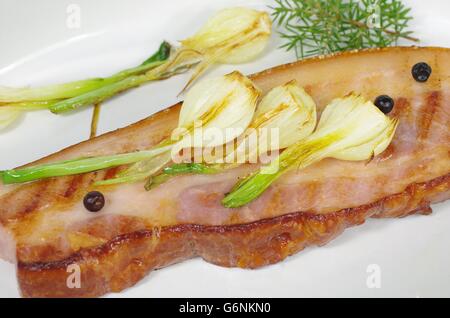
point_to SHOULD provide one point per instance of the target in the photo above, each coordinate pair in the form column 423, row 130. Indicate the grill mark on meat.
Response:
column 34, row 204
column 402, row 110
column 20, row 202
column 265, row 241
column 74, row 184
column 32, row 197
column 402, row 107
column 111, row 173
column 251, row 245
column 108, row 227
column 426, row 114
column 387, row 154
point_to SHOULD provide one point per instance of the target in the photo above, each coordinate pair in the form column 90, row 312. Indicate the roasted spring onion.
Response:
column 233, row 35
column 350, row 128
column 68, row 90
column 287, row 110
column 158, row 70
column 224, row 103
column 63, row 97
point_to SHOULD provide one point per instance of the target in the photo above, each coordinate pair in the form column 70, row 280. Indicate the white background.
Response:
column 37, row 47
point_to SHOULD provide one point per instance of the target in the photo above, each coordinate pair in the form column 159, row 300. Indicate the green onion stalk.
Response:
column 61, row 98
column 349, row 129
column 76, row 166
column 225, row 102
column 234, row 35
column 154, row 70
column 11, row 96
column 287, row 108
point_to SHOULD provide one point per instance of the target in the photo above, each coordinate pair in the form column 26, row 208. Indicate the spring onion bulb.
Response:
column 235, row 35
column 220, row 108
column 231, row 36
column 350, row 128
column 286, row 109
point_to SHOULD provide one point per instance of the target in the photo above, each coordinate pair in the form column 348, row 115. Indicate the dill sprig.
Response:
column 312, row 27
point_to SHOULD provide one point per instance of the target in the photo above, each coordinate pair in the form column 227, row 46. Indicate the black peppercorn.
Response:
column 94, row 201
column 385, row 103
column 421, row 72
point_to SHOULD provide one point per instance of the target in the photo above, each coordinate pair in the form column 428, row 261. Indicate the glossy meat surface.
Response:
column 45, row 226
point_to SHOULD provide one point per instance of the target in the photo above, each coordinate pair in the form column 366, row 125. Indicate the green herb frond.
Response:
column 312, row 27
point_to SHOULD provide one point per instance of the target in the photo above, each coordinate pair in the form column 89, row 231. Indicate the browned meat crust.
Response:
column 122, row 258
column 123, row 261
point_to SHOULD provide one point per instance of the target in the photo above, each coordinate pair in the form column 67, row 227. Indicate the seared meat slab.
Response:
column 45, row 228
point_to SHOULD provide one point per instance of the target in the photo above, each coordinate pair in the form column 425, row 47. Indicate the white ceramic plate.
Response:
column 39, row 46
